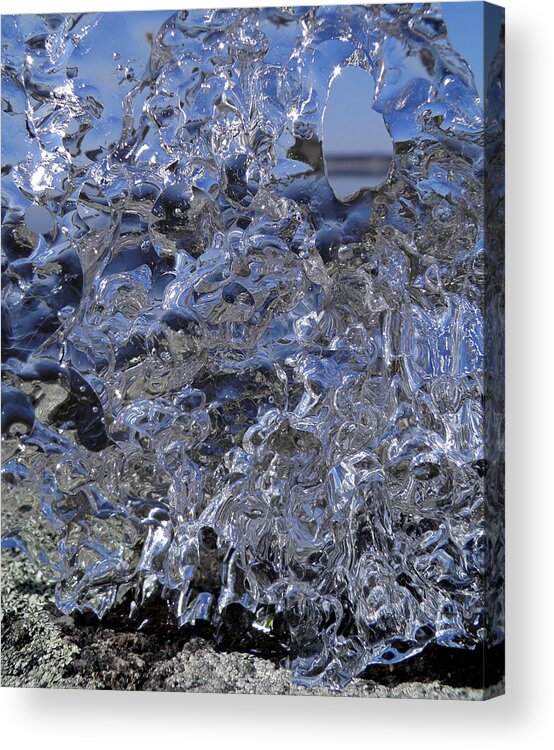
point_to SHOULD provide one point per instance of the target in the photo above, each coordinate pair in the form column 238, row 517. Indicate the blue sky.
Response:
column 465, row 24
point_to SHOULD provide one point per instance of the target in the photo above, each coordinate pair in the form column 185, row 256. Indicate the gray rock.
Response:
column 42, row 648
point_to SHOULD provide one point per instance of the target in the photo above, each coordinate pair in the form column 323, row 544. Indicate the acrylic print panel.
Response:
column 252, row 317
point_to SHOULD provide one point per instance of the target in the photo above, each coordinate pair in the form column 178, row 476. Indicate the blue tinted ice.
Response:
column 223, row 387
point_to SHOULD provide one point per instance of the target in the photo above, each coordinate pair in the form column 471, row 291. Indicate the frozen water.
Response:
column 224, row 388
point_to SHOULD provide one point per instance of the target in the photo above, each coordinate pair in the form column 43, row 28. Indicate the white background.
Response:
column 522, row 718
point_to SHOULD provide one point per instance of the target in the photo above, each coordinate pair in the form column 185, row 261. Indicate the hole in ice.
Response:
column 357, row 147
column 38, row 219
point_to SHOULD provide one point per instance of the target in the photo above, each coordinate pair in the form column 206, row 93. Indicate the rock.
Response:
column 42, row 648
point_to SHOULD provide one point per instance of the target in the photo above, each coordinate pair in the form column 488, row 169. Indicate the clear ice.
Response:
column 225, row 390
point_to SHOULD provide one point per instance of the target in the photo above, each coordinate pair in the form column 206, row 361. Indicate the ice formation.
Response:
column 224, row 389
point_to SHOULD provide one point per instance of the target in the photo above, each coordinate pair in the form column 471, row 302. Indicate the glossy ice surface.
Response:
column 223, row 387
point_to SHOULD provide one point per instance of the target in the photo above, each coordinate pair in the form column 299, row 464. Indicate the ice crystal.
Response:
column 224, row 388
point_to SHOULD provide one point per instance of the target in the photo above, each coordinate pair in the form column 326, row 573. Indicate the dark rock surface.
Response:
column 42, row 648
